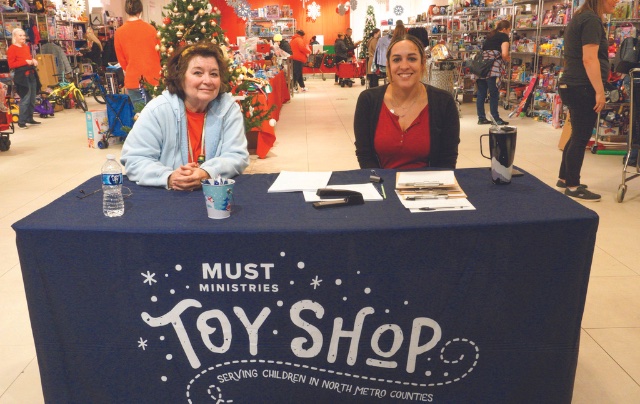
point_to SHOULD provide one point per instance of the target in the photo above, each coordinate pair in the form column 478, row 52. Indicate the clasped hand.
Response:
column 187, row 177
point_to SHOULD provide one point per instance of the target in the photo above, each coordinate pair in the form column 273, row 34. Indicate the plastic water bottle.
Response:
column 112, row 201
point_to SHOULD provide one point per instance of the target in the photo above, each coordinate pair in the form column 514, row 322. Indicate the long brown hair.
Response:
column 596, row 6
column 499, row 27
column 399, row 31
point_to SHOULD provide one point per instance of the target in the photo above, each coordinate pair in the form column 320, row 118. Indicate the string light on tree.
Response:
column 190, row 21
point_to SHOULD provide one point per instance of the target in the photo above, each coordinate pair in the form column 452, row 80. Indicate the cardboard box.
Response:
column 97, row 125
column 566, row 133
column 47, row 70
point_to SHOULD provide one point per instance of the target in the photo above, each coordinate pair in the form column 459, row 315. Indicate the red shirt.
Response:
column 402, row 149
column 195, row 124
column 17, row 56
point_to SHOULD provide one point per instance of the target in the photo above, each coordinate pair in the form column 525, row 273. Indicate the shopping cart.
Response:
column 6, row 129
column 633, row 140
column 120, row 114
column 315, row 62
column 445, row 75
column 348, row 71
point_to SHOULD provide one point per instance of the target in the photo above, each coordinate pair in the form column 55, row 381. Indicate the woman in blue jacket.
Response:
column 193, row 131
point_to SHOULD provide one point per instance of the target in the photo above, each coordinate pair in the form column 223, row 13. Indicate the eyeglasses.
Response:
column 125, row 194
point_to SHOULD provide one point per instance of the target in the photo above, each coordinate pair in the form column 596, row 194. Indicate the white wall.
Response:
column 411, row 8
column 152, row 9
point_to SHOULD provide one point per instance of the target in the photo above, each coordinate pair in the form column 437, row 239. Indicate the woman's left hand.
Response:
column 187, row 177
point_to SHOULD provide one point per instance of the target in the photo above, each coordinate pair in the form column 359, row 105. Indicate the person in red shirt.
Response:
column 22, row 62
column 299, row 57
column 135, row 43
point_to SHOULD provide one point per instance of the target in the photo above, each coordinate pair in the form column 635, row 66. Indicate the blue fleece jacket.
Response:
column 158, row 144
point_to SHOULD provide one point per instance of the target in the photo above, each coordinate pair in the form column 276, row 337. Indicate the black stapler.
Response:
column 340, row 197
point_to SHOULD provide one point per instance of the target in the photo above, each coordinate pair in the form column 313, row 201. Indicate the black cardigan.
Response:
column 444, row 127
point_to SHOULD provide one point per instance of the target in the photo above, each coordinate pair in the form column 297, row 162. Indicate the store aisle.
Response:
column 316, row 133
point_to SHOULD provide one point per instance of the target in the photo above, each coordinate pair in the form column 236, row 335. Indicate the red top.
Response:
column 135, row 44
column 195, row 124
column 17, row 56
column 402, row 149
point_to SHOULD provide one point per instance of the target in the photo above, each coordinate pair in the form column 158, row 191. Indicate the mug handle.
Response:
column 481, row 152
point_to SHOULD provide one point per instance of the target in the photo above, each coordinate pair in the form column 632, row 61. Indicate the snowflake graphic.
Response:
column 149, row 278
column 354, row 4
column 243, row 10
column 398, row 10
column 142, row 343
column 315, row 282
column 313, row 11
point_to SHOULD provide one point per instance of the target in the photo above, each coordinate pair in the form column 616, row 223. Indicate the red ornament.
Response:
column 166, row 20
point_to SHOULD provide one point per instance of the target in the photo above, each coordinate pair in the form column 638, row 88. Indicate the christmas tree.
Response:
column 369, row 25
column 186, row 22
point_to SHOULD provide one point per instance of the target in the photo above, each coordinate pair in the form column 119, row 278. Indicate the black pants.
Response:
column 373, row 80
column 581, row 100
column 297, row 73
column 339, row 59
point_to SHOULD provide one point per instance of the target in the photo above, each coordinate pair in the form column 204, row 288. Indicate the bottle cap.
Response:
column 111, row 157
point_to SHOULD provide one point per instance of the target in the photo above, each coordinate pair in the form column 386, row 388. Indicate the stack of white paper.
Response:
column 431, row 191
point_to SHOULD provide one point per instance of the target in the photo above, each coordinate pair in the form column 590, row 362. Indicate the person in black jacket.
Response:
column 341, row 50
column 495, row 47
column 406, row 123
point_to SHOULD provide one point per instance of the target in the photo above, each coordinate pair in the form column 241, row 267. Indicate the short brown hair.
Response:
column 133, row 7
column 179, row 62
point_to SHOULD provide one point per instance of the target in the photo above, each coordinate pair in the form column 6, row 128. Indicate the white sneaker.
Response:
column 304, row 89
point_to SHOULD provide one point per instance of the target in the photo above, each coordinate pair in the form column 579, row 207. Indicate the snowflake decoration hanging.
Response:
column 354, row 4
column 74, row 8
column 398, row 10
column 243, row 10
column 341, row 9
column 313, row 11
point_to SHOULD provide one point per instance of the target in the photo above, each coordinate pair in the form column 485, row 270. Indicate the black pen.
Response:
column 443, row 207
column 432, row 196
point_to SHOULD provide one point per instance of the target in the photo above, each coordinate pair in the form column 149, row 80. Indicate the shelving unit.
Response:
column 69, row 34
column 9, row 22
column 537, row 49
column 267, row 28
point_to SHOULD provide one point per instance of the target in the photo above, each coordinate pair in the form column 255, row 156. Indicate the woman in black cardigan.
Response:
column 406, row 124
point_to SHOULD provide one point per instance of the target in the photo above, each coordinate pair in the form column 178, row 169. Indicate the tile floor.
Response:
column 316, row 133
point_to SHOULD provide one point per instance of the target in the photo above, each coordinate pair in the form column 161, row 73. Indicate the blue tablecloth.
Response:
column 285, row 303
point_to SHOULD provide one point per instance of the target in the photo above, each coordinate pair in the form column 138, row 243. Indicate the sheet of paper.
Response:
column 368, row 191
column 436, row 177
column 440, row 205
column 293, row 181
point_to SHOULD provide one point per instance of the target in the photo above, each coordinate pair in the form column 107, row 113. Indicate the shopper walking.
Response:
column 371, row 54
column 300, row 54
column 135, row 44
column 25, row 78
column 495, row 47
column 348, row 41
column 581, row 87
column 342, row 54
